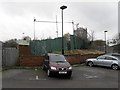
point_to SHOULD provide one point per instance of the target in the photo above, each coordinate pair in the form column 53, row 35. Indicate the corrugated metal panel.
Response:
column 72, row 42
column 58, row 44
column 0, row 45
column 10, row 57
column 0, row 56
column 39, row 47
column 49, row 45
column 65, row 44
column 79, row 43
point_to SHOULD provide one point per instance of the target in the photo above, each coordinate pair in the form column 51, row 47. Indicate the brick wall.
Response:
column 24, row 50
column 34, row 61
column 77, row 59
column 31, row 61
column 27, row 59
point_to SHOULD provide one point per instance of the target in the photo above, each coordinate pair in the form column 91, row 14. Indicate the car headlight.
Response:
column 70, row 68
column 53, row 68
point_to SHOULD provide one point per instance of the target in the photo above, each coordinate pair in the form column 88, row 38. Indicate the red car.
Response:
column 56, row 64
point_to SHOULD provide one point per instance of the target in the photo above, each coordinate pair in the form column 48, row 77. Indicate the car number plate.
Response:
column 62, row 72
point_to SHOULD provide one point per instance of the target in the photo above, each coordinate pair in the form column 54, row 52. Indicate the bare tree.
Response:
column 91, row 36
column 117, row 38
column 10, row 43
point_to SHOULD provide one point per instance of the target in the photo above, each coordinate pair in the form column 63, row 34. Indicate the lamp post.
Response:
column 62, row 8
column 34, row 27
column 105, row 40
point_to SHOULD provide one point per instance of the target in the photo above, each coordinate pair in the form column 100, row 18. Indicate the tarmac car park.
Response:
column 82, row 77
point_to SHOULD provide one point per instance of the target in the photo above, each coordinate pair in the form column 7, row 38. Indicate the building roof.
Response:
column 22, row 42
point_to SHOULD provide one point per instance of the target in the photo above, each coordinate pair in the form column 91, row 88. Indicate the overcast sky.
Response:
column 16, row 18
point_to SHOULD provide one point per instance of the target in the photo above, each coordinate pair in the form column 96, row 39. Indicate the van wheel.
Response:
column 90, row 64
column 115, row 67
column 48, row 73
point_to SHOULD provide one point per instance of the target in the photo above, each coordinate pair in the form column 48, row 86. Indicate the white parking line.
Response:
column 89, row 76
column 36, row 77
column 36, row 69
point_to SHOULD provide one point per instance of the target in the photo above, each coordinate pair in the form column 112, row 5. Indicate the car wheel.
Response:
column 90, row 64
column 115, row 67
column 48, row 73
column 69, row 75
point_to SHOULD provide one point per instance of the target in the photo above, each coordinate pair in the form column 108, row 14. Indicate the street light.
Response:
column 105, row 40
column 62, row 8
column 34, row 27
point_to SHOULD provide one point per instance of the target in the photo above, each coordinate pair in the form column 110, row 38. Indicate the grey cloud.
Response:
column 93, row 15
column 99, row 15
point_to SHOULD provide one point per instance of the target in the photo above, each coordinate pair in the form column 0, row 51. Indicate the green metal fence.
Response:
column 39, row 47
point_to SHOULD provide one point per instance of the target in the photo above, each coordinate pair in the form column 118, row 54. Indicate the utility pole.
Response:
column 49, row 22
column 73, row 34
column 56, row 26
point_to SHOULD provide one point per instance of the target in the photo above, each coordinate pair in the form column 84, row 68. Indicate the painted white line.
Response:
column 89, row 76
column 36, row 69
column 36, row 77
